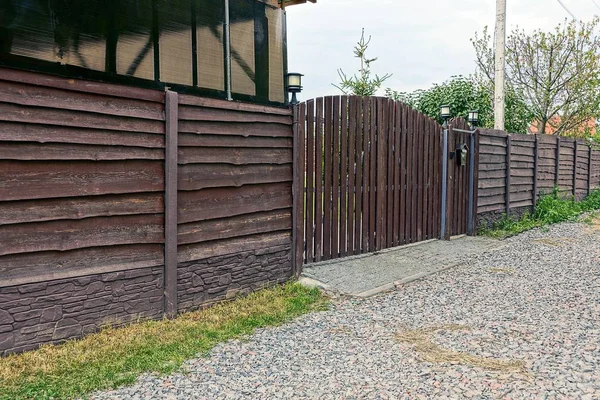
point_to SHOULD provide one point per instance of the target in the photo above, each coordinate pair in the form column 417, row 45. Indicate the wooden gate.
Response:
column 370, row 170
column 462, row 187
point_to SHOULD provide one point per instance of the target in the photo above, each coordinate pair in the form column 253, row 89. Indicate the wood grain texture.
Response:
column 234, row 156
column 32, row 180
column 68, row 152
column 27, row 268
column 65, row 235
column 202, row 176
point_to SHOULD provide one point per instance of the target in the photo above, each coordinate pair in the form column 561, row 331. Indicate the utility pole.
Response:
column 500, row 66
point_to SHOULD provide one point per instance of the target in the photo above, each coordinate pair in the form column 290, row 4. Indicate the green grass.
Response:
column 115, row 357
column 551, row 209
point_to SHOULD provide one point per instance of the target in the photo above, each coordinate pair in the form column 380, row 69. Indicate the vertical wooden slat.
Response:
column 450, row 185
column 327, row 212
column 426, row 156
column 171, row 152
column 410, row 153
column 508, row 157
column 354, row 128
column 420, row 176
column 373, row 173
column 456, row 186
column 403, row 201
column 319, row 182
column 366, row 174
column 381, row 171
column 310, row 182
column 336, row 216
column 344, row 177
column 575, row 161
column 431, row 161
column 436, row 181
column 397, row 171
column 557, row 165
column 358, row 200
column 414, row 171
column 298, row 192
column 536, row 152
column 391, row 151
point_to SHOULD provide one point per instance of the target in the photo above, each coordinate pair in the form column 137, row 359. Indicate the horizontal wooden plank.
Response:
column 491, row 208
column 192, row 252
column 235, row 129
column 522, row 203
column 191, row 100
column 74, row 208
column 547, row 140
column 46, row 116
column 235, row 156
column 241, row 225
column 26, row 132
column 521, row 188
column 493, row 166
column 522, row 151
column 517, row 164
column 20, row 269
column 65, row 235
column 195, row 140
column 491, row 191
column 492, row 132
column 227, row 202
column 491, row 158
column 45, row 97
column 23, row 180
column 78, row 85
column 492, row 183
column 491, row 200
column 520, row 180
column 492, row 150
column 17, row 212
column 53, row 151
column 191, row 113
column 201, row 176
column 524, row 172
column 492, row 141
column 487, row 174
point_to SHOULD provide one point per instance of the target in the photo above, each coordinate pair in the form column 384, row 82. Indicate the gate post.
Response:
column 444, row 181
column 470, row 225
column 170, row 272
column 298, row 188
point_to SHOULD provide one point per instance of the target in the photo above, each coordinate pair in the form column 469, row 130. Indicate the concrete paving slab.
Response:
column 370, row 274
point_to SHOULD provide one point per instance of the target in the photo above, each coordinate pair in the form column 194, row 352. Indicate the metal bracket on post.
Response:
column 444, row 181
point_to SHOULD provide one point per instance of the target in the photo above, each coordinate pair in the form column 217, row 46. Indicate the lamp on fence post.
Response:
column 445, row 114
column 473, row 118
column 293, row 82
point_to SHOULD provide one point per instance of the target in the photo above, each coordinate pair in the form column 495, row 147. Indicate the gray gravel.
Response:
column 536, row 300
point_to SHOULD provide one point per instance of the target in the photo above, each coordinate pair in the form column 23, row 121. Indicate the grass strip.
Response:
column 117, row 356
column 551, row 209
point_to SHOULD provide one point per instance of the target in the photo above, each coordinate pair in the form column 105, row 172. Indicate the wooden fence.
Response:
column 514, row 170
column 98, row 226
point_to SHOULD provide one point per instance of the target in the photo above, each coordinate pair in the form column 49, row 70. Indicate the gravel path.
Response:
column 518, row 323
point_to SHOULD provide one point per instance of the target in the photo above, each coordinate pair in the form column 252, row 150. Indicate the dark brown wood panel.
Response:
column 235, row 129
column 202, row 176
column 69, row 152
column 234, row 156
column 20, row 180
column 73, row 208
column 65, row 235
column 232, row 141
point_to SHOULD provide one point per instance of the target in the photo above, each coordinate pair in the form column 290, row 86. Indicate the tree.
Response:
column 464, row 94
column 363, row 84
column 558, row 73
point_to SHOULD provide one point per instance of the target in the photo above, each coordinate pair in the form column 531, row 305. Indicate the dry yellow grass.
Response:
column 116, row 356
column 431, row 352
column 501, row 270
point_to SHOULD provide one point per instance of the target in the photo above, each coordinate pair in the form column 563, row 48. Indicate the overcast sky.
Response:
column 421, row 41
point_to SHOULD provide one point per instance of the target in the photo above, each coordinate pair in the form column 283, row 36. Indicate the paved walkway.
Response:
column 366, row 275
column 522, row 322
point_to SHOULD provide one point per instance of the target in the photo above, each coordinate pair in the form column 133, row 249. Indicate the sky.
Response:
column 420, row 42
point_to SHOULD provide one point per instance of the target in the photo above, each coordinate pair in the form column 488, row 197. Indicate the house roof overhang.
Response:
column 287, row 3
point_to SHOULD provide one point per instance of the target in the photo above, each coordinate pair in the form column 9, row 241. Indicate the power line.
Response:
column 566, row 9
column 596, row 4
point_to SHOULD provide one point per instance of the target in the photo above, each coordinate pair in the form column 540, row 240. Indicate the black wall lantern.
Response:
column 445, row 113
column 293, row 81
column 473, row 118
